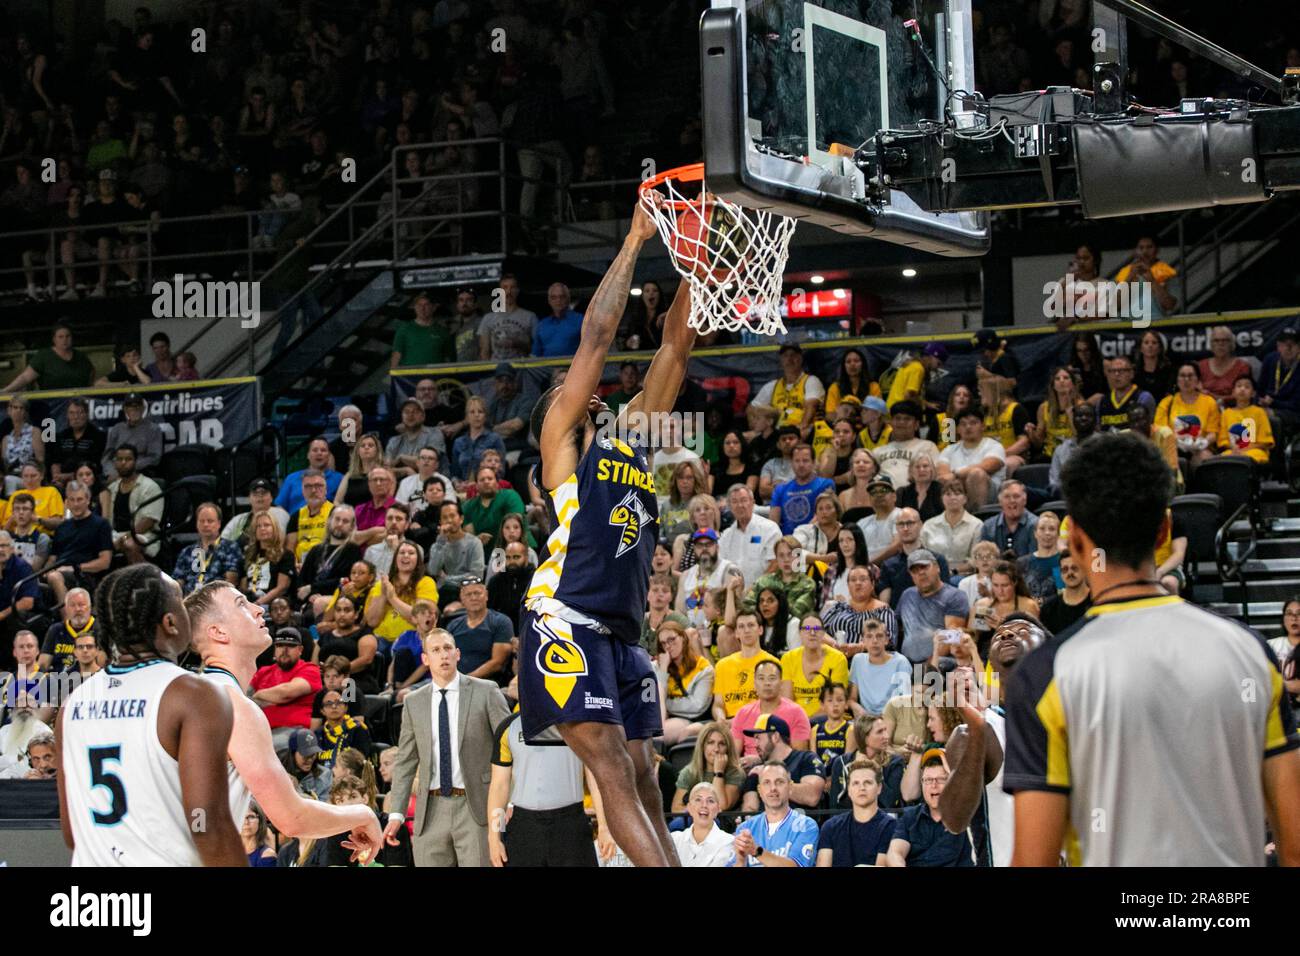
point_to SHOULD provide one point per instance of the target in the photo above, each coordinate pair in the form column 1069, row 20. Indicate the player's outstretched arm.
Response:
column 253, row 754
column 668, row 368
column 202, row 717
column 599, row 326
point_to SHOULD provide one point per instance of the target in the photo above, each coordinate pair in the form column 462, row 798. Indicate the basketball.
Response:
column 710, row 243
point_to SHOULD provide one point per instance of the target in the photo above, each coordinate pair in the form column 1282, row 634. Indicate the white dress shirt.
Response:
column 714, row 851
column 453, row 718
column 750, row 548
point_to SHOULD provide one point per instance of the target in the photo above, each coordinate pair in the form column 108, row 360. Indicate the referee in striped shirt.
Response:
column 535, row 808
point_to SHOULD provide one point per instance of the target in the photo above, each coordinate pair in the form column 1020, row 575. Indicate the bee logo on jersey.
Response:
column 559, row 658
column 630, row 515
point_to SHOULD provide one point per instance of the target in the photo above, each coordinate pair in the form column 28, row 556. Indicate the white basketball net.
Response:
column 734, row 264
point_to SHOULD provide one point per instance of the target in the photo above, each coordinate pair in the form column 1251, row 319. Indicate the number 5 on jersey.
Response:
column 100, row 777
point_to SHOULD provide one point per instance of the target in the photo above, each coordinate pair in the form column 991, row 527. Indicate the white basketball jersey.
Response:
column 123, row 788
column 240, row 796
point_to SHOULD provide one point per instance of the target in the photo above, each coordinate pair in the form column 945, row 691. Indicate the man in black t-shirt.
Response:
column 862, row 836
column 329, row 561
column 772, row 735
column 1069, row 604
column 82, row 548
column 80, row 441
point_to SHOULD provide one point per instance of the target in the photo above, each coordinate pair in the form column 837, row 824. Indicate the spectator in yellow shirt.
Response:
column 852, row 380
column 49, row 503
column 1146, row 266
column 1192, row 415
column 806, row 669
column 1244, row 426
column 876, row 430
column 733, row 677
column 909, row 381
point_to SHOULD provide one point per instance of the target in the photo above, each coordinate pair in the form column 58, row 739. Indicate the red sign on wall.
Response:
column 818, row 304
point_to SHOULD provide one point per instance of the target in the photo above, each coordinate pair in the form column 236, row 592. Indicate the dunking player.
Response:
column 142, row 777
column 581, row 668
column 229, row 633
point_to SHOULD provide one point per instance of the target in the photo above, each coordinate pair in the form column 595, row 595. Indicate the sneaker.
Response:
column 136, row 287
column 33, row 293
column 98, row 292
column 69, row 296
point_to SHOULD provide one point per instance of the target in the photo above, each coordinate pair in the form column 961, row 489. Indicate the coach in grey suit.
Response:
column 447, row 736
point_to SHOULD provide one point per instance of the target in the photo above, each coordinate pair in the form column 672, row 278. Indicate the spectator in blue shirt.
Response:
column 862, row 836
column 482, row 634
column 13, row 595
column 407, row 670
column 780, row 835
column 559, row 332
column 921, row 838
column 929, row 605
column 291, row 497
column 793, row 501
column 1279, row 386
column 477, row 438
column 1013, row 528
column 212, row 557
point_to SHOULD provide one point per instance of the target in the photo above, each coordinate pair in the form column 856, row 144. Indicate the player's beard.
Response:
column 707, row 565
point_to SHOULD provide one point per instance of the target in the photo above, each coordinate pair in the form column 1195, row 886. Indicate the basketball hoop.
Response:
column 733, row 257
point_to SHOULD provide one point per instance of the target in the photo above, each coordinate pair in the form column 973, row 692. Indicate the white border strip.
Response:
column 857, row 30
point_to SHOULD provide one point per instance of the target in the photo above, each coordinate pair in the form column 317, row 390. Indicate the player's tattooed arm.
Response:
column 599, row 326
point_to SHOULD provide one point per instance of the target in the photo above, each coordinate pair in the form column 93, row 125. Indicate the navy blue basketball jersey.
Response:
column 829, row 744
column 606, row 520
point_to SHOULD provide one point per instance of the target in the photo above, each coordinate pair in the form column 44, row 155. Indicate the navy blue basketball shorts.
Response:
column 569, row 673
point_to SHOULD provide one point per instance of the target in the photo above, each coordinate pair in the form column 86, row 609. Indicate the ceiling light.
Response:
column 909, row 273
column 816, row 280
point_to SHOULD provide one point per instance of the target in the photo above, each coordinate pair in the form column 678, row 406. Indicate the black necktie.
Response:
column 444, row 746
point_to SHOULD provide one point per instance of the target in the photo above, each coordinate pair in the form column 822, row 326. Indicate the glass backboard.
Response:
column 792, row 88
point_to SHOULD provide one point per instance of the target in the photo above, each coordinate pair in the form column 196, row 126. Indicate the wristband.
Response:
column 720, row 773
column 758, row 851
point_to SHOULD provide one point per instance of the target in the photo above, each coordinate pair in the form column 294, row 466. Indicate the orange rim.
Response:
column 693, row 173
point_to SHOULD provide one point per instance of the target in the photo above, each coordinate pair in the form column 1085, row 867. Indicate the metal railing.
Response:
column 399, row 218
column 1232, row 567
column 1226, row 226
column 150, row 260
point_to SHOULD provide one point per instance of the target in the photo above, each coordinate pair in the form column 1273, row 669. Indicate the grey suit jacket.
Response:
column 482, row 709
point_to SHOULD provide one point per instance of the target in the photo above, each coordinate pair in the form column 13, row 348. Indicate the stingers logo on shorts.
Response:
column 631, row 516
column 559, row 657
